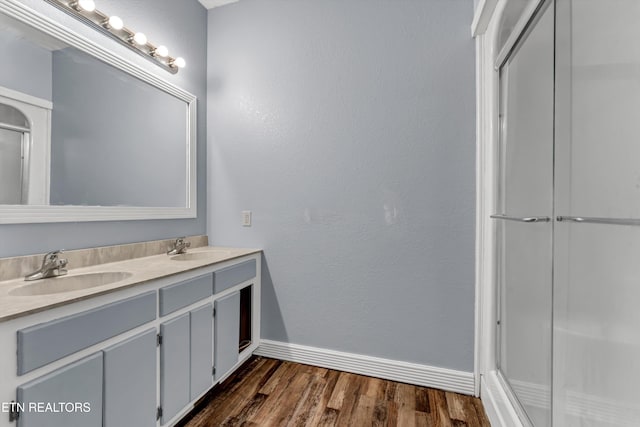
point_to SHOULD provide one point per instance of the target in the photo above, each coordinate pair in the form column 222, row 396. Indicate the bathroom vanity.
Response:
column 130, row 336
column 137, row 346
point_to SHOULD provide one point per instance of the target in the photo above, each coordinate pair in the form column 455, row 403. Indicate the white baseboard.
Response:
column 411, row 373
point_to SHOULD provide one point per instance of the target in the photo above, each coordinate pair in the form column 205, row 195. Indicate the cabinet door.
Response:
column 227, row 336
column 201, row 349
column 130, row 382
column 174, row 366
column 79, row 384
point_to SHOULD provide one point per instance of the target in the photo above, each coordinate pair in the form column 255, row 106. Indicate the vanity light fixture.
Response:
column 161, row 51
column 113, row 26
column 86, row 5
column 139, row 38
column 178, row 62
column 114, row 22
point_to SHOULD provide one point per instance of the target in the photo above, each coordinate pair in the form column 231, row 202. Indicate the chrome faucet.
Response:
column 179, row 247
column 52, row 266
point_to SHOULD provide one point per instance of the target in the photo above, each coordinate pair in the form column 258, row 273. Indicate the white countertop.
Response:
column 142, row 270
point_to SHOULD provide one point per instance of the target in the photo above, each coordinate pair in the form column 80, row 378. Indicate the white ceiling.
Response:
column 210, row 4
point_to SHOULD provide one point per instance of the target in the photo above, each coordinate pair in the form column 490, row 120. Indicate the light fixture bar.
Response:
column 113, row 27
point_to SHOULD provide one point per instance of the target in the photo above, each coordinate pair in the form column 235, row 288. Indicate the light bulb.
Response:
column 179, row 62
column 87, row 5
column 116, row 23
column 140, row 38
column 162, row 51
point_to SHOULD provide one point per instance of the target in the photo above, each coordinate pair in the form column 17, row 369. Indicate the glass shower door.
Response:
column 524, row 227
column 597, row 274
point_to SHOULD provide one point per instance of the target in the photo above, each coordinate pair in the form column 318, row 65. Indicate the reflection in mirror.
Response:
column 115, row 140
column 75, row 130
column 14, row 161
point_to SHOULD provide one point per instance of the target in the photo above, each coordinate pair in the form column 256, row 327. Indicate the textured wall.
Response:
column 181, row 25
column 347, row 127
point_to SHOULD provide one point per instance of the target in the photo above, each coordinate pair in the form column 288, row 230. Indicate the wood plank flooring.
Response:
column 267, row 392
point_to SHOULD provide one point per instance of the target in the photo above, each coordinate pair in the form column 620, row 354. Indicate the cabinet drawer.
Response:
column 230, row 276
column 41, row 344
column 179, row 295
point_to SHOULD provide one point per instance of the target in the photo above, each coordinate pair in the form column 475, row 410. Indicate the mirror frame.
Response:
column 22, row 214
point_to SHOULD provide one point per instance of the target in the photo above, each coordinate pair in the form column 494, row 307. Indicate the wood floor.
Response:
column 267, row 392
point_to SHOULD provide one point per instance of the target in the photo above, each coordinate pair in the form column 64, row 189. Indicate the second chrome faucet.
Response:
column 179, row 247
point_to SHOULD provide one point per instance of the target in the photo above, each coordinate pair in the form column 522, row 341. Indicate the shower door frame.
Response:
column 486, row 29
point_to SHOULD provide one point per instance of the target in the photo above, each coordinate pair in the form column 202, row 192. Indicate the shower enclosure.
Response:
column 568, row 215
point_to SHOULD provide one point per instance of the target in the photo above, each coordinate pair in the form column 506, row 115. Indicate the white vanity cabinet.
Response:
column 140, row 356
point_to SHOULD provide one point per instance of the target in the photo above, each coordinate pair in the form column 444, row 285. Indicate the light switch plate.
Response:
column 246, row 218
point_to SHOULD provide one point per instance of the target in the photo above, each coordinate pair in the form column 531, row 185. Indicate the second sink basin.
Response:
column 56, row 285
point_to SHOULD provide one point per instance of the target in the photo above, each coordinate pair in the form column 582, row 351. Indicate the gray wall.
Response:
column 27, row 66
column 347, row 127
column 181, row 25
column 123, row 145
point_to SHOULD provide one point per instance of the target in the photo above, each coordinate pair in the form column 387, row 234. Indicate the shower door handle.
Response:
column 522, row 219
column 593, row 220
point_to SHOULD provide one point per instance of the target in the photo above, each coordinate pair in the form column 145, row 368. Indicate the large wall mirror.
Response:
column 85, row 135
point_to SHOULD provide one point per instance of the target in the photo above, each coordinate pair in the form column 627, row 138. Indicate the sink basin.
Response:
column 56, row 285
column 200, row 256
